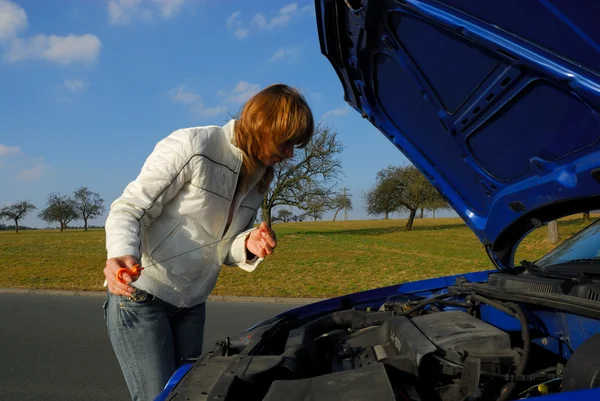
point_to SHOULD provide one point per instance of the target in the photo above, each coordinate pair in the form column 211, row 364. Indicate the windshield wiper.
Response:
column 572, row 275
column 587, row 267
column 576, row 261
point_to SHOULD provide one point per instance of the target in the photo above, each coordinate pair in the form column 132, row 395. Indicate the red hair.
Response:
column 275, row 116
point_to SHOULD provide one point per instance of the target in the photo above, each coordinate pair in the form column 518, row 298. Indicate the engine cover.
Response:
column 368, row 383
column 462, row 336
column 457, row 330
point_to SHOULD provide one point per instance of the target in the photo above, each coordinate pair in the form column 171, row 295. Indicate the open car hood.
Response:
column 496, row 102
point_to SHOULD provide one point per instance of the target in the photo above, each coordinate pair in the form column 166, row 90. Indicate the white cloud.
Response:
column 235, row 95
column 169, row 8
column 308, row 9
column 233, row 19
column 76, row 85
column 289, row 9
column 316, row 95
column 280, row 20
column 241, row 92
column 58, row 49
column 13, row 20
column 339, row 112
column 9, row 150
column 125, row 11
column 183, row 95
column 33, row 173
column 209, row 111
column 234, row 24
column 241, row 33
column 289, row 54
column 261, row 22
column 31, row 168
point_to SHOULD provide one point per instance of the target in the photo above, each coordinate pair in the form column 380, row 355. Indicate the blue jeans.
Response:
column 150, row 337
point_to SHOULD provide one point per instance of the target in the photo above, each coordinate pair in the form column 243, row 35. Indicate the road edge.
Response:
column 215, row 298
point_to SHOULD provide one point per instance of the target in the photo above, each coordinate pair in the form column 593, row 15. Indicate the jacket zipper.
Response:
column 221, row 236
column 232, row 208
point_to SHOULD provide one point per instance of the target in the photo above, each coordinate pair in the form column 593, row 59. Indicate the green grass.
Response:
column 319, row 259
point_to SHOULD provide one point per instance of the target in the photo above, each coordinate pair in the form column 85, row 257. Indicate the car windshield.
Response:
column 584, row 245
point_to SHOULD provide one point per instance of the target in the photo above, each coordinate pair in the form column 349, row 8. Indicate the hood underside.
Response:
column 496, row 102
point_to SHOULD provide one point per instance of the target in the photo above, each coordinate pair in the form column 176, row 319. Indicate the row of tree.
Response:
column 83, row 205
column 305, row 183
column 316, row 208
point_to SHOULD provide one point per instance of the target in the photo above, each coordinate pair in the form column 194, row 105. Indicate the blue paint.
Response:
column 176, row 378
column 571, row 24
column 499, row 319
column 496, row 101
column 583, row 395
column 559, row 332
column 375, row 297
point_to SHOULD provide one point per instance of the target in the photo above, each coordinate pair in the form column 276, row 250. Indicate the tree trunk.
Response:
column 16, row 225
column 411, row 219
column 85, row 224
column 553, row 232
column 387, row 215
column 433, row 213
column 266, row 215
column 421, row 216
column 586, row 217
column 336, row 213
column 62, row 226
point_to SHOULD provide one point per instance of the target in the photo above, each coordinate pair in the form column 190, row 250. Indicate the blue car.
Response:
column 497, row 103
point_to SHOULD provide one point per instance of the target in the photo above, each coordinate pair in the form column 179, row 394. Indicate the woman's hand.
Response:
column 110, row 272
column 261, row 241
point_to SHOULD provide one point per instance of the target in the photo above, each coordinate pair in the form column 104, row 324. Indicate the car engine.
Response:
column 414, row 348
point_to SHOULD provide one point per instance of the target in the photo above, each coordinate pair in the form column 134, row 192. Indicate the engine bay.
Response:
column 409, row 348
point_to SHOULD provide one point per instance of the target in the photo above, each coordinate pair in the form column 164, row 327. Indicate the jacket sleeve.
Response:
column 237, row 251
column 163, row 174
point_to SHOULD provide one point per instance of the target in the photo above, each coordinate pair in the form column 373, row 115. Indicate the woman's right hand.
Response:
column 110, row 272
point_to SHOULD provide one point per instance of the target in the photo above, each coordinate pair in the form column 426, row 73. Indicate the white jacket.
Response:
column 174, row 215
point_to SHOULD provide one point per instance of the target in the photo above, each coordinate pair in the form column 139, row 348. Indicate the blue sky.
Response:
column 90, row 86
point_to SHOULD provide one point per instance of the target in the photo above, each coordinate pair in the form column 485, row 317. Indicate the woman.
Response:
column 190, row 210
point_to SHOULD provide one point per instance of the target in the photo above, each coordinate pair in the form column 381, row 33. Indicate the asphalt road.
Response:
column 55, row 347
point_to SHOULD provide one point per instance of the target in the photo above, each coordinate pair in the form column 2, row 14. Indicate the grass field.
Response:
column 319, row 259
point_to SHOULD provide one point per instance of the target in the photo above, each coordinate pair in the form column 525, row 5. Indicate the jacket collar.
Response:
column 229, row 130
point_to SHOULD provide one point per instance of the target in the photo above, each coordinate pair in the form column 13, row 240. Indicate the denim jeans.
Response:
column 150, row 337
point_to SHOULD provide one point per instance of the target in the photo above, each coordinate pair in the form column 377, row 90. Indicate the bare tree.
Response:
column 317, row 205
column 16, row 212
column 88, row 205
column 60, row 209
column 299, row 217
column 311, row 173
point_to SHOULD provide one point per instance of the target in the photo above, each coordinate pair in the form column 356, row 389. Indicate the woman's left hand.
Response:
column 261, row 241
